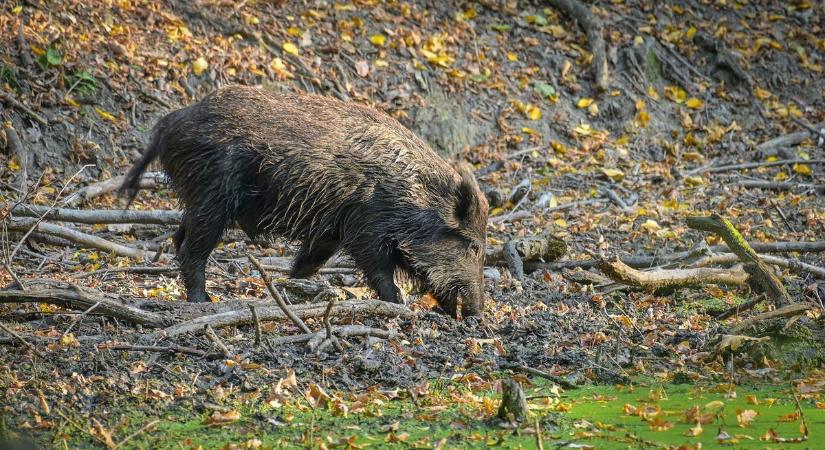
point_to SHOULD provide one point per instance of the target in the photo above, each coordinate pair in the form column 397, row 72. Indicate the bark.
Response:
column 274, row 312
column 77, row 237
column 668, row 279
column 760, row 272
column 513, row 406
column 80, row 300
column 98, row 216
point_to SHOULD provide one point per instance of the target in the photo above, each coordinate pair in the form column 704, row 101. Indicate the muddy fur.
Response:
column 333, row 175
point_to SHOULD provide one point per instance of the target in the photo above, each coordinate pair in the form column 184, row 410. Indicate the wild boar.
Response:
column 330, row 174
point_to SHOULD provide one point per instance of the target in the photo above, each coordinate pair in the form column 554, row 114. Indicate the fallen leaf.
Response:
column 199, row 66
column 290, row 48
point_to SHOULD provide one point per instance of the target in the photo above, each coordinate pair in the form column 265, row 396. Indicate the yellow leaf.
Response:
column 199, row 65
column 105, row 115
column 651, row 226
column 496, row 211
column 512, row 56
column 676, row 94
column 290, row 48
column 802, row 169
column 13, row 164
column 17, row 9
column 529, row 130
column 691, row 32
column 761, row 94
column 613, row 174
column 653, row 93
column 746, row 417
column 584, row 103
column 378, row 39
column 561, row 223
column 694, row 103
column 781, row 176
column 695, row 431
column 295, row 31
column 694, row 181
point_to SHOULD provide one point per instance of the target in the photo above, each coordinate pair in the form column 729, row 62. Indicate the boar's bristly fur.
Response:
column 332, row 175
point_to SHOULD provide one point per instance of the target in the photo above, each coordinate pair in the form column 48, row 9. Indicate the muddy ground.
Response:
column 693, row 87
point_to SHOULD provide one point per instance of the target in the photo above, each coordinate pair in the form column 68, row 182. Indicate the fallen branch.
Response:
column 149, row 180
column 539, row 373
column 22, row 341
column 210, row 333
column 793, row 265
column 81, row 301
column 761, row 274
column 790, row 310
column 513, row 260
column 7, row 98
column 342, row 331
column 591, row 25
column 772, row 147
column 273, row 312
column 641, row 262
column 513, row 407
column 169, row 348
column 77, row 237
column 755, row 165
column 669, row 279
column 277, row 296
column 542, row 248
column 738, row 309
column 98, row 216
column 780, row 185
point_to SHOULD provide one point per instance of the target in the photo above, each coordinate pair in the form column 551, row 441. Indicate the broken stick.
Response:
column 669, row 279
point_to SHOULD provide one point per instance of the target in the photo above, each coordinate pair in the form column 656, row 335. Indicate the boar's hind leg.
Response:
column 312, row 256
column 200, row 233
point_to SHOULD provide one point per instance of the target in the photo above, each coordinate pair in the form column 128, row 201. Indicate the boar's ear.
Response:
column 468, row 204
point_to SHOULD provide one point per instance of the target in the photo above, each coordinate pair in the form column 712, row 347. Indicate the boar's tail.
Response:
column 131, row 183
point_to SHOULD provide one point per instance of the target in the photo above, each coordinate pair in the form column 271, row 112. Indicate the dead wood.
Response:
column 738, row 309
column 641, row 262
column 513, row 406
column 543, row 248
column 77, row 237
column 513, row 260
column 8, row 99
column 781, row 185
column 274, row 312
column 539, row 373
column 169, row 348
column 789, row 310
column 277, row 296
column 669, row 279
column 761, row 274
column 25, row 343
column 725, row 59
column 592, row 26
column 210, row 333
column 98, row 216
column 17, row 149
column 81, row 300
column 794, row 265
column 149, row 180
column 755, row 165
column 145, row 270
column 775, row 146
column 342, row 331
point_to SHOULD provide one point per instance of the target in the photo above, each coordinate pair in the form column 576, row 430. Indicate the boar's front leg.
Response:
column 313, row 255
column 379, row 268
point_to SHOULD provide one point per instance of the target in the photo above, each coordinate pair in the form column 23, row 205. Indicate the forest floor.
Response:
column 709, row 108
